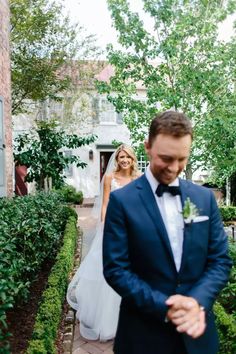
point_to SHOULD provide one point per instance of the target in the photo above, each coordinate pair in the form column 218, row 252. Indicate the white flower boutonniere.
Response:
column 190, row 211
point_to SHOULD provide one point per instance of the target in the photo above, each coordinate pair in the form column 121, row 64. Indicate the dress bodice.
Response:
column 114, row 184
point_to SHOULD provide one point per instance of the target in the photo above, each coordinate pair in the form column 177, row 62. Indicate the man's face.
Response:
column 168, row 156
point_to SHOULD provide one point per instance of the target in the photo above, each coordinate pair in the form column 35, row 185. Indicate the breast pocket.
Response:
column 197, row 238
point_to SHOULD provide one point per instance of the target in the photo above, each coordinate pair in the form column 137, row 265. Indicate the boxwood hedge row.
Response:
column 31, row 229
column 49, row 314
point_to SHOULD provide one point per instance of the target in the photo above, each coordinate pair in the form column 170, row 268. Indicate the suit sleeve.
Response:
column 218, row 263
column 117, row 267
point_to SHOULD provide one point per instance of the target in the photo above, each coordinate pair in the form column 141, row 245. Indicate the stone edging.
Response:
column 70, row 319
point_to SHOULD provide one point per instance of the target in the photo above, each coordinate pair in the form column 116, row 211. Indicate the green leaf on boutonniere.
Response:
column 190, row 211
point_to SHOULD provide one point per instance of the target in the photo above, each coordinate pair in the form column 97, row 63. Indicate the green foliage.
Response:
column 68, row 212
column 30, row 232
column 37, row 347
column 228, row 213
column 49, row 313
column 228, row 294
column 221, row 125
column 189, row 210
column 225, row 310
column 183, row 66
column 140, row 152
column 116, row 143
column 41, row 152
column 226, row 326
column 43, row 41
column 70, row 195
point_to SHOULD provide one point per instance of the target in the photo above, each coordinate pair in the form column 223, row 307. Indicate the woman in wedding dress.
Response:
column 95, row 302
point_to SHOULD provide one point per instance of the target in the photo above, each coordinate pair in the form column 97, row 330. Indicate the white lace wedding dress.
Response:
column 96, row 303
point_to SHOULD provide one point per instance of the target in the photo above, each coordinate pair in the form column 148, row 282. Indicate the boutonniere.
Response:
column 190, row 211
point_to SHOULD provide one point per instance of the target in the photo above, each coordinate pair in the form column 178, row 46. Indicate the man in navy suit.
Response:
column 165, row 251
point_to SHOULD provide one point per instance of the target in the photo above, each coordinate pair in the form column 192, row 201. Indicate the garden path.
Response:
column 80, row 344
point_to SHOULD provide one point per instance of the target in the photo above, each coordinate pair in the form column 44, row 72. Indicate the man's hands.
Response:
column 187, row 315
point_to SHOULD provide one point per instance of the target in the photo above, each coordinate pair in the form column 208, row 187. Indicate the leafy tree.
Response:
column 116, row 143
column 183, row 66
column 217, row 139
column 42, row 153
column 43, row 41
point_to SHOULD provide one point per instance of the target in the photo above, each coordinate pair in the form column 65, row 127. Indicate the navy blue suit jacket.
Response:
column 139, row 265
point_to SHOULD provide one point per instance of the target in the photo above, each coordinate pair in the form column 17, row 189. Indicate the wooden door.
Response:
column 104, row 159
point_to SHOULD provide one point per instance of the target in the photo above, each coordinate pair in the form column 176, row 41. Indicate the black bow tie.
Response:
column 164, row 188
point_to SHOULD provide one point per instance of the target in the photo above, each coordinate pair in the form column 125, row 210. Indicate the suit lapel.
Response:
column 185, row 193
column 149, row 202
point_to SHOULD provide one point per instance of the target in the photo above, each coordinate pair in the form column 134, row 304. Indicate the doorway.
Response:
column 104, row 159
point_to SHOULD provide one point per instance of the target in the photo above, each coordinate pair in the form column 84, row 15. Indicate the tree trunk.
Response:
column 188, row 172
column 228, row 192
column 233, row 188
column 41, row 183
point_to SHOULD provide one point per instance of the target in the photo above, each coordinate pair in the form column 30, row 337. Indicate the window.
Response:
column 142, row 163
column 51, row 109
column 56, row 109
column 107, row 112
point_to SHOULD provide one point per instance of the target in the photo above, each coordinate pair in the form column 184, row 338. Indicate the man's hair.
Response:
column 170, row 123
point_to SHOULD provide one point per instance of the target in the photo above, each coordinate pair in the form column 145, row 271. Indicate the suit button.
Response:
column 178, row 284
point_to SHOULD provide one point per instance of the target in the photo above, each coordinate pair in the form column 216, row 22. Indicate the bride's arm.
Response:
column 106, row 193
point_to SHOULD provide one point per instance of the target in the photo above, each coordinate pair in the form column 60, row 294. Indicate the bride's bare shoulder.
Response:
column 108, row 178
column 109, row 175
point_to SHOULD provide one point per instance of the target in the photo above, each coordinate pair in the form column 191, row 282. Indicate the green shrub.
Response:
column 70, row 195
column 37, row 347
column 228, row 213
column 226, row 326
column 225, row 310
column 49, row 313
column 228, row 294
column 67, row 212
column 31, row 230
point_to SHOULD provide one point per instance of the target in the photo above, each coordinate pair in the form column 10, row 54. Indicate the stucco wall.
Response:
column 88, row 179
column 85, row 122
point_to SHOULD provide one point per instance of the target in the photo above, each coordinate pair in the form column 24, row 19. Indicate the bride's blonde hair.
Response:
column 128, row 149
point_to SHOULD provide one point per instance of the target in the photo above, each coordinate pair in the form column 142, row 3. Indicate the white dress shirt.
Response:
column 170, row 208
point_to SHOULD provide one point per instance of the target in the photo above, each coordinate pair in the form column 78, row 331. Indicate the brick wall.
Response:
column 5, row 90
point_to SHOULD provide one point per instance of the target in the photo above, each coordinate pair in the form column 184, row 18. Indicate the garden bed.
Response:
column 31, row 239
column 24, row 321
column 21, row 319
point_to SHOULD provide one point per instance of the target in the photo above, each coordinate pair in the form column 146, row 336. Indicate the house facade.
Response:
column 6, row 158
column 88, row 113
column 103, row 121
column 107, row 125
column 85, row 112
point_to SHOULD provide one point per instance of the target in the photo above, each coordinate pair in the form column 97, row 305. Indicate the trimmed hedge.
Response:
column 49, row 313
column 225, row 310
column 69, row 194
column 226, row 326
column 228, row 213
column 31, row 230
column 227, row 297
